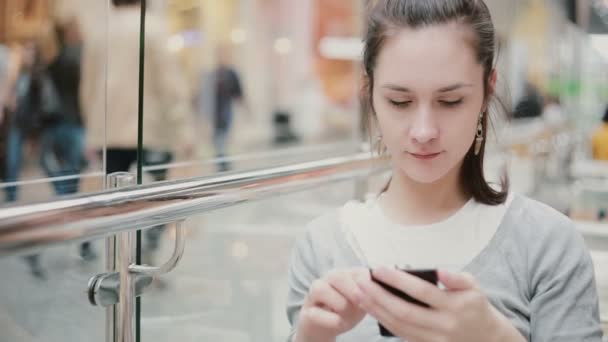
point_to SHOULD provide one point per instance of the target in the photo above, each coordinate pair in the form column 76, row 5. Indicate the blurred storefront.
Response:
column 275, row 44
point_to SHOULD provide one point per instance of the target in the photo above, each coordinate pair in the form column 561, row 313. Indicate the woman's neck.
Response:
column 412, row 203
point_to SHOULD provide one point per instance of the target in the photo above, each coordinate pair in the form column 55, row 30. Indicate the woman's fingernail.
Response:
column 444, row 274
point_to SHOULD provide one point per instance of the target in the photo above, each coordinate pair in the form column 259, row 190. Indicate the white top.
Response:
column 450, row 244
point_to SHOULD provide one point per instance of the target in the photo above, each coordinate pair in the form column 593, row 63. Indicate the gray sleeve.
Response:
column 303, row 270
column 564, row 300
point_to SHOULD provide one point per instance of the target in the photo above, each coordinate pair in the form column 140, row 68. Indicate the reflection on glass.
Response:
column 49, row 303
column 231, row 283
column 42, row 145
column 45, row 108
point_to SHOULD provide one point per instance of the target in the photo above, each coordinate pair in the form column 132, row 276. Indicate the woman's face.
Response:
column 428, row 96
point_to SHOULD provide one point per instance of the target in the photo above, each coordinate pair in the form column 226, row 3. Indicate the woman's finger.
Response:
column 321, row 318
column 408, row 331
column 383, row 305
column 323, row 295
column 413, row 286
column 345, row 284
column 457, row 281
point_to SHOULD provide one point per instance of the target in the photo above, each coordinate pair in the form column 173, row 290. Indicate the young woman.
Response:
column 511, row 269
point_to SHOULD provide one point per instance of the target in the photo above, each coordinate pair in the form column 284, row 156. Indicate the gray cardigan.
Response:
column 536, row 271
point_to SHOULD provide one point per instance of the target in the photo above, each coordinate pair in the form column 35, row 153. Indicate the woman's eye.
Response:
column 450, row 103
column 400, row 103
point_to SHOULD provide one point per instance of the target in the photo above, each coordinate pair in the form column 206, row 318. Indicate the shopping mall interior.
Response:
column 228, row 126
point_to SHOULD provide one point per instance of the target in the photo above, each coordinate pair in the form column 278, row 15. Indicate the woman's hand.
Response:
column 330, row 308
column 461, row 313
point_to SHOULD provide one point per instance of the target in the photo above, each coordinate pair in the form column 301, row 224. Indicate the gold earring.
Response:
column 378, row 144
column 379, row 148
column 479, row 135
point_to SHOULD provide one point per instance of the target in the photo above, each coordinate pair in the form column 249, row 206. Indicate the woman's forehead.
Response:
column 439, row 54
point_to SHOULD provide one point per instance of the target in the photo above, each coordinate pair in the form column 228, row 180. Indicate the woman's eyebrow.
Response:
column 396, row 88
column 449, row 88
column 454, row 87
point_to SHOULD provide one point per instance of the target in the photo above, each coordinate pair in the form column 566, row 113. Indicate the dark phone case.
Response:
column 428, row 275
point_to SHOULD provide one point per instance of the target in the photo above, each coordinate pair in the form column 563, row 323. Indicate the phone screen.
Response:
column 429, row 275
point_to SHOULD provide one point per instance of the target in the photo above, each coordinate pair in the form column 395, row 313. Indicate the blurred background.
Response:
column 234, row 85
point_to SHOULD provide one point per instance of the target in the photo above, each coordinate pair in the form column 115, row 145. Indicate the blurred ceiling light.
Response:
column 176, row 43
column 282, row 46
column 238, row 36
column 600, row 43
column 345, row 48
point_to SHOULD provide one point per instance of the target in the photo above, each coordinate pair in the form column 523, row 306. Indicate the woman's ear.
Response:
column 491, row 88
column 493, row 79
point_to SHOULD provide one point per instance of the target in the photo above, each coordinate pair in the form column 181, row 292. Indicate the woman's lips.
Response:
column 425, row 156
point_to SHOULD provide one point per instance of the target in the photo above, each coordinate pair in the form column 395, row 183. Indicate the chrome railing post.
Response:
column 126, row 299
column 114, row 181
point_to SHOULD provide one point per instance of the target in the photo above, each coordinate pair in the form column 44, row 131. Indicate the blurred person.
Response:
column 599, row 141
column 510, row 268
column 10, row 65
column 531, row 104
column 4, row 62
column 13, row 59
column 167, row 114
column 62, row 139
column 35, row 101
column 4, row 86
column 217, row 94
column 284, row 132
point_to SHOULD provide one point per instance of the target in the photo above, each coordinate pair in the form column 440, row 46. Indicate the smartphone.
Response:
column 429, row 275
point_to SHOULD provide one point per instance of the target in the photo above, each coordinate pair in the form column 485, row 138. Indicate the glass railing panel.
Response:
column 43, row 297
column 231, row 283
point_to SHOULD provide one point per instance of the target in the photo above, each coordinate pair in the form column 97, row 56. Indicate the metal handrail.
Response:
column 290, row 151
column 27, row 228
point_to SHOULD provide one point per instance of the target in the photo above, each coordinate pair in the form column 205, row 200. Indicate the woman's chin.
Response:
column 423, row 178
column 423, row 175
